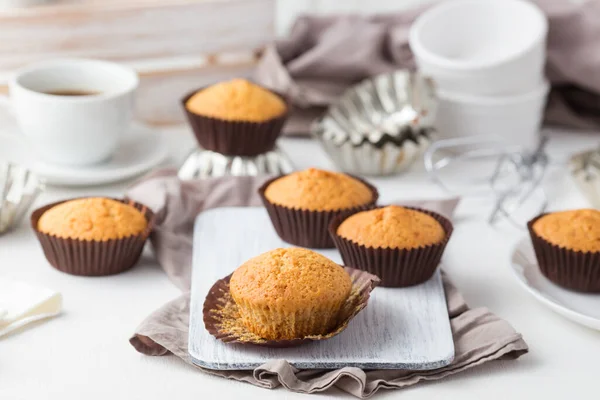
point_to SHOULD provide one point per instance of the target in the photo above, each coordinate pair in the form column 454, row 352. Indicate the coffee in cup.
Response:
column 72, row 92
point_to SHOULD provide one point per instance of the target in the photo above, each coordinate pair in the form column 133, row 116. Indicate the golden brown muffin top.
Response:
column 577, row 230
column 93, row 218
column 291, row 279
column 392, row 227
column 317, row 190
column 236, row 100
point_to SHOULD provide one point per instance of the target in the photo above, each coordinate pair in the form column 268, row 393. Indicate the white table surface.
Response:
column 85, row 353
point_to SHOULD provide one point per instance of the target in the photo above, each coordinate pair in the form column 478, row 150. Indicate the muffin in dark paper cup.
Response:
column 396, row 267
column 93, row 257
column 572, row 269
column 222, row 319
column 307, row 228
column 235, row 138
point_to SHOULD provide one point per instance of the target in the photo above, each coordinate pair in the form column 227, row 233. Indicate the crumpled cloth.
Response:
column 324, row 55
column 479, row 335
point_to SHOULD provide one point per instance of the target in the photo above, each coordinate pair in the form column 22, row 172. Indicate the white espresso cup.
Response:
column 74, row 111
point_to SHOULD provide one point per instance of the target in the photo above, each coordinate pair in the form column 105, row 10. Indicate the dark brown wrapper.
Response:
column 307, row 228
column 395, row 267
column 235, row 138
column 93, row 257
column 571, row 269
column 363, row 284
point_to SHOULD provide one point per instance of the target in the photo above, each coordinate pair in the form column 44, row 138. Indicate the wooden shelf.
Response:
column 134, row 30
column 174, row 44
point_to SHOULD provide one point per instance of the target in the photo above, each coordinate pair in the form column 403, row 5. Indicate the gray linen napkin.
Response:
column 479, row 335
column 324, row 55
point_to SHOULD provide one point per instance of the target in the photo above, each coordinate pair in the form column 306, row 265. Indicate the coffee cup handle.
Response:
column 5, row 103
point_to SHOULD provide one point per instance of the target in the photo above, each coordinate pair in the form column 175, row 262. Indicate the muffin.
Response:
column 567, row 247
column 236, row 117
column 92, row 219
column 392, row 227
column 236, row 100
column 302, row 204
column 290, row 293
column 92, row 236
column 401, row 245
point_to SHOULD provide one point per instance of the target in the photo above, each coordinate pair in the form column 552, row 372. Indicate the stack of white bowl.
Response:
column 487, row 58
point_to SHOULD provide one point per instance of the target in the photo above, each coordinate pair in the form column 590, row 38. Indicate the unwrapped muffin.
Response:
column 92, row 236
column 290, row 293
column 236, row 117
column 567, row 247
column 302, row 204
column 402, row 246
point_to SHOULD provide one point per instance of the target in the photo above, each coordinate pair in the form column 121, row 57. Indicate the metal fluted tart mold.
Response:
column 395, row 267
column 222, row 319
column 93, row 257
column 571, row 269
column 381, row 125
column 19, row 187
column 307, row 228
column 585, row 170
column 201, row 164
column 235, row 138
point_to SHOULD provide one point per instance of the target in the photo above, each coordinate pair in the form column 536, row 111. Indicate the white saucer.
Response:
column 142, row 148
column 579, row 307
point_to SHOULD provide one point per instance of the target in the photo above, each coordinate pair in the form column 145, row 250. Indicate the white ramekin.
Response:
column 492, row 47
column 515, row 120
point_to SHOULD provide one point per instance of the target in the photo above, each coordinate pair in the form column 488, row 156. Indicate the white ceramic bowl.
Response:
column 515, row 120
column 491, row 47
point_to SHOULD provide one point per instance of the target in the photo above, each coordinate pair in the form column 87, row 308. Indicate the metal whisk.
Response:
column 511, row 175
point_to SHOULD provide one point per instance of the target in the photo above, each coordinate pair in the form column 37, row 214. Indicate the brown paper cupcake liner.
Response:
column 307, row 228
column 93, row 257
column 235, row 138
column 571, row 269
column 223, row 321
column 395, row 267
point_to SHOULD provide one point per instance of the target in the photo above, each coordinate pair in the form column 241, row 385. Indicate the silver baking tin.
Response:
column 380, row 126
column 19, row 188
column 585, row 169
column 205, row 164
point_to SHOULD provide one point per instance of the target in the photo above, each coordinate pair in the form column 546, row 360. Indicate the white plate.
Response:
column 142, row 148
column 579, row 307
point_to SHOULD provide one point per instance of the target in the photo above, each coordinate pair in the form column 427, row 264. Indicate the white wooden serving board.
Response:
column 399, row 329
